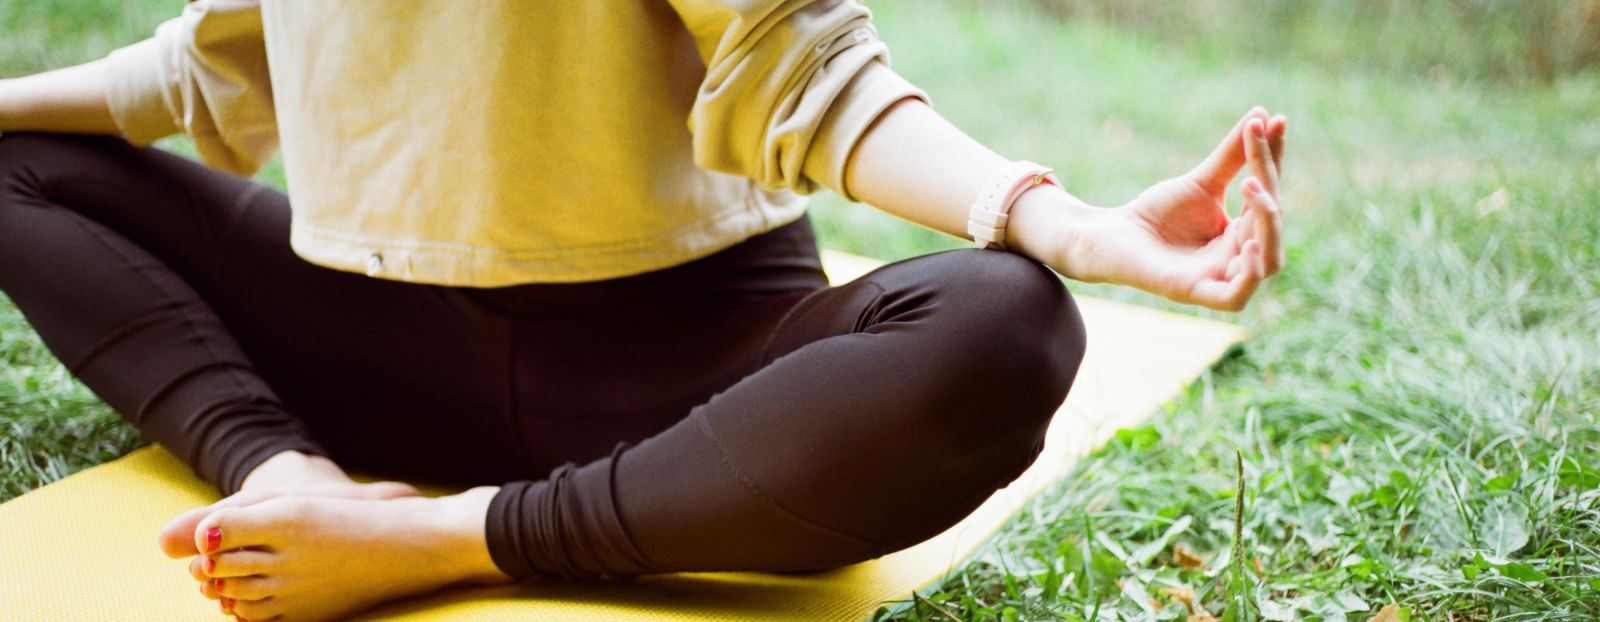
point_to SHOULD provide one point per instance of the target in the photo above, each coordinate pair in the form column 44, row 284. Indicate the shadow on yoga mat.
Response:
column 84, row 547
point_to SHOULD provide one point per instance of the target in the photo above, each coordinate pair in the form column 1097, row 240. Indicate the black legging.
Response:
column 731, row 413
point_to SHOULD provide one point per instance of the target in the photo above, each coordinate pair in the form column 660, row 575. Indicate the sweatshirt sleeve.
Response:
column 790, row 86
column 203, row 73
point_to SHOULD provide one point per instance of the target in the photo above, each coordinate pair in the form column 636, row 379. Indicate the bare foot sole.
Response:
column 297, row 558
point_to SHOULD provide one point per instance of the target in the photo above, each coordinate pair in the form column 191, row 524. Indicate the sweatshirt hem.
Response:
column 465, row 265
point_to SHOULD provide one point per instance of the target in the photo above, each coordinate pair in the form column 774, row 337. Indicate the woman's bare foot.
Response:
column 285, row 473
column 297, row 558
column 289, row 469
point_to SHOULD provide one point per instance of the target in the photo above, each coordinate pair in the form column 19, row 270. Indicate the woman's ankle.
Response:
column 462, row 519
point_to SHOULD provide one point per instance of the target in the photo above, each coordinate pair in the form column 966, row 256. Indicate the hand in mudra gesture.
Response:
column 1176, row 239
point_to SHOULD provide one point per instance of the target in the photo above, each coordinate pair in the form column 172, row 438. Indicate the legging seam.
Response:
column 172, row 384
column 130, row 327
column 749, row 486
column 183, row 310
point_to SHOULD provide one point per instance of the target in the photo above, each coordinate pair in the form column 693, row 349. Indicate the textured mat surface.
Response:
column 84, row 547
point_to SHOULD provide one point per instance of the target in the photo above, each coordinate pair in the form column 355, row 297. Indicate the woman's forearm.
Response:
column 69, row 100
column 936, row 185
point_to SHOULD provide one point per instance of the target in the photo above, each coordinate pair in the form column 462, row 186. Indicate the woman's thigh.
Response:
column 842, row 423
column 621, row 360
column 388, row 375
column 462, row 384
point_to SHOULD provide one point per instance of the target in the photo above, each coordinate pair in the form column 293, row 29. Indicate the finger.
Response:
column 1268, row 221
column 1258, row 153
column 1243, row 287
column 1239, row 262
column 1218, row 169
column 1275, row 131
column 1232, row 294
column 1243, row 228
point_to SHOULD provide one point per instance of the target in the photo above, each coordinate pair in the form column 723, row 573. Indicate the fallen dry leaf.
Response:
column 1186, row 558
column 1182, row 594
column 1202, row 617
column 1389, row 613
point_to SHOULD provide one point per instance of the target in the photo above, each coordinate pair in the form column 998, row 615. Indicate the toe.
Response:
column 232, row 528
column 240, row 563
column 243, row 589
column 176, row 537
column 198, row 567
column 261, row 609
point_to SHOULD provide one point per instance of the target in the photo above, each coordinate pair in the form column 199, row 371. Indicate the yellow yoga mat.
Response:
column 84, row 548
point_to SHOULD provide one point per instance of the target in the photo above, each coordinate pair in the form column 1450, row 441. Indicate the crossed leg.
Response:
column 833, row 426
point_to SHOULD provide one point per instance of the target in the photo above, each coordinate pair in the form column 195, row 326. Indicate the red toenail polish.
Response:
column 213, row 539
column 217, row 585
column 227, row 605
column 209, row 565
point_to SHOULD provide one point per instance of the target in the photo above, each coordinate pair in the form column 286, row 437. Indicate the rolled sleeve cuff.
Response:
column 136, row 95
column 872, row 91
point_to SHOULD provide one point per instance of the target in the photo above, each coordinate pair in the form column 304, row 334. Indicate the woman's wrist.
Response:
column 1047, row 224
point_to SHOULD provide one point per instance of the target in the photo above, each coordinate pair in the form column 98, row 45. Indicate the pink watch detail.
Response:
column 987, row 221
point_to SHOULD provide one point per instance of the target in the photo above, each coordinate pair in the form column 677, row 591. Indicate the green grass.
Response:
column 1417, row 410
column 1416, row 414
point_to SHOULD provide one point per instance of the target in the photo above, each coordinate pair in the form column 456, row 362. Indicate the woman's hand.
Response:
column 1176, row 240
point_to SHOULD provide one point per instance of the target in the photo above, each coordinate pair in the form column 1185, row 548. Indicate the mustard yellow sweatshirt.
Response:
column 495, row 142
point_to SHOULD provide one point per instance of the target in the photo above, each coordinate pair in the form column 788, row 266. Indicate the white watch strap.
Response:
column 986, row 223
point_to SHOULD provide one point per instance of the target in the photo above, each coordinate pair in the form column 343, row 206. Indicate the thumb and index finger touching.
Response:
column 1230, row 156
column 1256, row 142
column 1223, row 163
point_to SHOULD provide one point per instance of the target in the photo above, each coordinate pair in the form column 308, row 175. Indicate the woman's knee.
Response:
column 27, row 158
column 1016, row 337
column 1010, row 340
column 15, row 151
